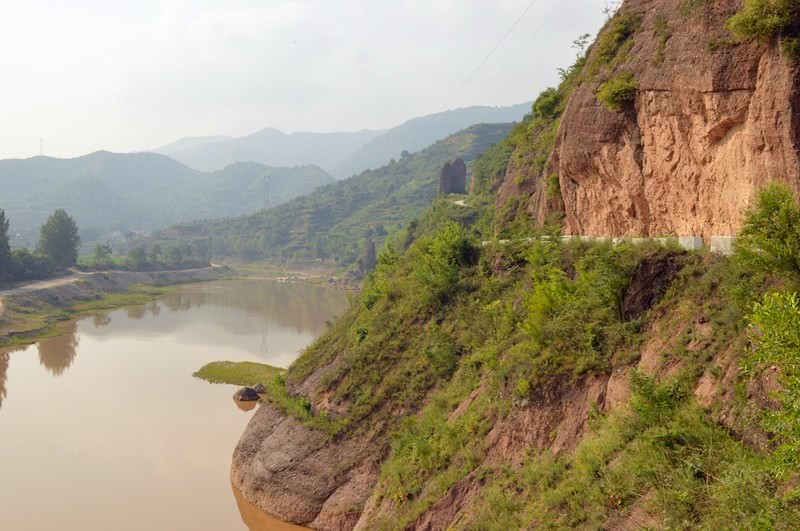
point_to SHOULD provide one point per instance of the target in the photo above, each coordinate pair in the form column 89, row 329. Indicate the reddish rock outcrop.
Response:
column 299, row 475
column 707, row 128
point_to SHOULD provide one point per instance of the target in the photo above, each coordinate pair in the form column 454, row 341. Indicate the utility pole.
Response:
column 41, row 147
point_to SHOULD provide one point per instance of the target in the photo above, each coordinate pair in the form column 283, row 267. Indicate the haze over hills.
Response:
column 331, row 222
column 138, row 191
column 267, row 146
column 341, row 154
column 421, row 132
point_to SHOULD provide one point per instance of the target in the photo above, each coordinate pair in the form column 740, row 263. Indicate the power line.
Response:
column 474, row 72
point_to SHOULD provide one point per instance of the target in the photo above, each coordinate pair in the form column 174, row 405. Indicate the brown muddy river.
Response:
column 104, row 427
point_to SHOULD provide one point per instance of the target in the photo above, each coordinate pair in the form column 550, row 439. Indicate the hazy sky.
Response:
column 124, row 76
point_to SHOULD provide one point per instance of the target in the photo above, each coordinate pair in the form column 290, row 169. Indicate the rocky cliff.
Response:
column 712, row 120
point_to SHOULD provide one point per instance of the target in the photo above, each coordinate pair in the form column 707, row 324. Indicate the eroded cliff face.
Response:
column 299, row 475
column 712, row 121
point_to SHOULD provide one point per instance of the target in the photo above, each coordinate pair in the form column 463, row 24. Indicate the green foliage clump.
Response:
column 761, row 19
column 27, row 265
column 438, row 269
column 546, row 105
column 59, row 240
column 102, row 253
column 663, row 33
column 611, row 40
column 376, row 285
column 574, row 323
column 553, row 186
column 776, row 335
column 618, row 91
column 769, row 240
column 790, row 47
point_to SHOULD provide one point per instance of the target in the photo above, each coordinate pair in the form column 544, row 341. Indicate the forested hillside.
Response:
column 109, row 192
column 421, row 132
column 332, row 223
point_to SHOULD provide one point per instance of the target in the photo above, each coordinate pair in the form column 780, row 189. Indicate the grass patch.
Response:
column 137, row 294
column 237, row 373
column 621, row 28
column 662, row 32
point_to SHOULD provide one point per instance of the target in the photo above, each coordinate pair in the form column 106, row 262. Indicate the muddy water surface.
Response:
column 104, row 427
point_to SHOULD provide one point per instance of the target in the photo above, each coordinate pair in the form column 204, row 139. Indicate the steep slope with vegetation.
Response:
column 547, row 385
column 332, row 223
column 111, row 191
column 538, row 383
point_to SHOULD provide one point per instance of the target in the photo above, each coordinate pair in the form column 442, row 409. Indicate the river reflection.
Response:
column 107, row 424
column 58, row 353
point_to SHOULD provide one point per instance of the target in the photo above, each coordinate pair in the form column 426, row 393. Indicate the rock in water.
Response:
column 259, row 388
column 245, row 394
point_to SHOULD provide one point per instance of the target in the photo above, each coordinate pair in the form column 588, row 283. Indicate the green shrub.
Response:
column 546, row 104
column 790, row 46
column 776, row 335
column 618, row 91
column 437, row 270
column 769, row 240
column 761, row 19
column 663, row 33
column 620, row 29
column 553, row 186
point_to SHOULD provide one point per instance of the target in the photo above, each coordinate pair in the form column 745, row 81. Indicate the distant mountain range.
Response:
column 268, row 146
column 330, row 223
column 419, row 133
column 341, row 154
column 139, row 191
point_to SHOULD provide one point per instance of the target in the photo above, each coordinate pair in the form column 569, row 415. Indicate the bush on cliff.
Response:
column 761, row 19
column 618, row 91
column 620, row 29
column 769, row 240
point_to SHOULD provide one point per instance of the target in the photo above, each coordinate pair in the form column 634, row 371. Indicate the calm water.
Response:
column 104, row 427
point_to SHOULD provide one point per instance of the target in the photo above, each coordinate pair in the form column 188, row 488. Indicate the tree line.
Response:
column 57, row 249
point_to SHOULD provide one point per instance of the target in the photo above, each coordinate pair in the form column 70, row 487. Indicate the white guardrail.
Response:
column 717, row 244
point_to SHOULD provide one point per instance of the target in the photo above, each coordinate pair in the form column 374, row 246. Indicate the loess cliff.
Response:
column 713, row 119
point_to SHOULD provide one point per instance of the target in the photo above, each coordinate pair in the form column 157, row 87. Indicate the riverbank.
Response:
column 32, row 311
